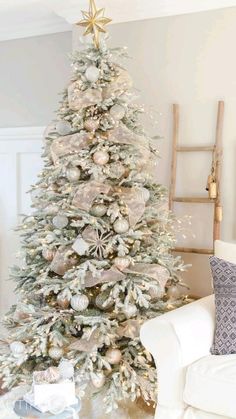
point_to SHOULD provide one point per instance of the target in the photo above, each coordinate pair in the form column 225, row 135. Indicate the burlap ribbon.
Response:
column 153, row 271
column 122, row 82
column 130, row 328
column 62, row 262
column 87, row 192
column 111, row 275
column 80, row 99
column 69, row 144
column 85, row 345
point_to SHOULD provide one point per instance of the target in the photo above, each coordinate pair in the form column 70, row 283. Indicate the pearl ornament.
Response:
column 117, row 112
column 130, row 310
column 60, row 221
column 121, row 226
column 79, row 302
column 55, row 352
column 101, row 157
column 98, row 210
column 73, row 174
column 92, row 74
column 98, row 379
column 63, row 127
column 17, row 349
column 121, row 263
column 113, row 356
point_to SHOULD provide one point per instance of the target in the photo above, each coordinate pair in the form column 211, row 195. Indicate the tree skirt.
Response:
column 92, row 408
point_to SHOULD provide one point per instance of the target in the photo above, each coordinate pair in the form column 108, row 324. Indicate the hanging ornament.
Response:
column 79, row 302
column 121, row 263
column 17, row 349
column 101, row 157
column 91, row 124
column 130, row 310
column 210, row 179
column 50, row 237
column 156, row 293
column 117, row 112
column 60, row 221
column 66, row 369
column 98, row 210
column 144, row 194
column 98, row 379
column 121, row 226
column 73, row 174
column 55, row 352
column 101, row 303
column 62, row 301
column 51, row 209
column 113, row 356
column 63, row 127
column 48, row 254
column 92, row 74
column 213, row 190
column 173, row 292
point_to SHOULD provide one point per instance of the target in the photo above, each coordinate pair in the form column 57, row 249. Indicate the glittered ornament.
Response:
column 92, row 74
column 63, row 127
column 79, row 302
column 101, row 302
column 60, row 221
column 113, row 356
column 17, row 349
column 50, row 237
column 91, row 124
column 117, row 112
column 62, row 301
column 98, row 210
column 121, row 226
column 55, row 352
column 130, row 310
column 121, row 263
column 66, row 369
column 48, row 254
column 173, row 292
column 98, row 379
column 101, row 157
column 73, row 174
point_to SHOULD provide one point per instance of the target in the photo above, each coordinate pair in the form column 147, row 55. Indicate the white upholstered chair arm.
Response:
column 176, row 339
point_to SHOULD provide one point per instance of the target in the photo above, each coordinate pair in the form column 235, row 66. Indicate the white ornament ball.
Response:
column 60, row 221
column 55, row 352
column 48, row 254
column 117, row 112
column 79, row 302
column 101, row 157
column 130, row 310
column 98, row 210
column 92, row 74
column 173, row 292
column 113, row 356
column 121, row 263
column 98, row 379
column 91, row 124
column 121, row 226
column 51, row 209
column 50, row 237
column 73, row 174
column 17, row 349
column 66, row 369
column 63, row 127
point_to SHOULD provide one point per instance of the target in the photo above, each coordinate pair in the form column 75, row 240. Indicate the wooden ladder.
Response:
column 216, row 150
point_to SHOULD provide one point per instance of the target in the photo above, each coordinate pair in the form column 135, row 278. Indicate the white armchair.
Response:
column 190, row 384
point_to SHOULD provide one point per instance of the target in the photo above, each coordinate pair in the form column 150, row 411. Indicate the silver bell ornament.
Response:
column 98, row 210
column 113, row 356
column 92, row 74
column 130, row 310
column 98, row 379
column 173, row 292
column 121, row 226
column 101, row 157
column 91, row 124
column 17, row 349
column 63, row 127
column 79, row 302
column 66, row 369
column 55, row 352
column 117, row 112
column 121, row 263
column 60, row 221
column 73, row 174
column 48, row 254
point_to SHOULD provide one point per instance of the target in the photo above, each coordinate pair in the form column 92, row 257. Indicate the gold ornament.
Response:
column 213, row 190
column 94, row 21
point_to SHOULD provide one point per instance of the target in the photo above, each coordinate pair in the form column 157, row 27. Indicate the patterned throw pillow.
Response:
column 224, row 279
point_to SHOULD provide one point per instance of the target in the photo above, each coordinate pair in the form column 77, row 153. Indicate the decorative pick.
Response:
column 94, row 21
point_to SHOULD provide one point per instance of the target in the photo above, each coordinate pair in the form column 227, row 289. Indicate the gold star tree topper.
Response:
column 94, row 21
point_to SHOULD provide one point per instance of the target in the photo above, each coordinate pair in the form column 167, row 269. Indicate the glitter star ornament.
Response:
column 94, row 21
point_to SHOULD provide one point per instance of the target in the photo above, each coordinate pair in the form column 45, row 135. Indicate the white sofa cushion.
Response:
column 211, row 385
column 226, row 251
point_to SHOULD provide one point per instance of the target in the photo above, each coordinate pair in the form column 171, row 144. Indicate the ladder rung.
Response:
column 194, row 250
column 197, row 148
column 195, row 200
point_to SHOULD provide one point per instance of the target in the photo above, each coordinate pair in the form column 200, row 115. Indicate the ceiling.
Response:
column 24, row 18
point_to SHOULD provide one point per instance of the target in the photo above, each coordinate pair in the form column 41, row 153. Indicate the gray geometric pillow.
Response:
column 224, row 279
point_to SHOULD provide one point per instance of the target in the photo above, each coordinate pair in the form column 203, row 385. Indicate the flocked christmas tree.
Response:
column 97, row 247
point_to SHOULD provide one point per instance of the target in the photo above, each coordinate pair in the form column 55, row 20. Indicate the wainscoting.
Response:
column 20, row 162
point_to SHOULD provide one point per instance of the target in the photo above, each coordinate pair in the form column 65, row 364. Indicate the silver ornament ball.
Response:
column 63, row 127
column 73, row 174
column 113, row 356
column 121, row 263
column 98, row 379
column 98, row 210
column 117, row 112
column 92, row 74
column 17, row 349
column 130, row 310
column 100, row 302
column 91, row 124
column 79, row 302
column 121, row 226
column 55, row 352
column 101, row 157
column 60, row 221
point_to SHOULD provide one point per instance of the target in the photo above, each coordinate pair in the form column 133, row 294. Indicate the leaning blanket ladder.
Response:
column 216, row 150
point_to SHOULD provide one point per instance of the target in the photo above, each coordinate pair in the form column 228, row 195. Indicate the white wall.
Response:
column 190, row 60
